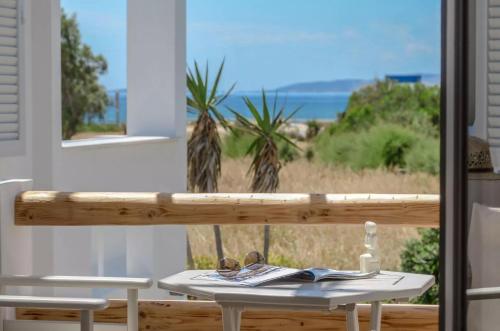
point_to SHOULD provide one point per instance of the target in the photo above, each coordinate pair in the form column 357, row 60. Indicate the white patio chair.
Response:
column 484, row 257
column 132, row 285
column 85, row 306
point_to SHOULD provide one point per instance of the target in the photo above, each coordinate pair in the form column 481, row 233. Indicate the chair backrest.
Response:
column 484, row 258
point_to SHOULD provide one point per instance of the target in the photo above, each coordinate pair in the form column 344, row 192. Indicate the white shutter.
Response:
column 493, row 67
column 9, row 71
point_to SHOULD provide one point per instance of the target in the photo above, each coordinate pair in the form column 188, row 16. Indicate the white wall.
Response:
column 144, row 163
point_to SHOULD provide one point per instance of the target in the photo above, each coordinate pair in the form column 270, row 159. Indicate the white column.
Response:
column 156, row 68
column 45, row 18
column 156, row 106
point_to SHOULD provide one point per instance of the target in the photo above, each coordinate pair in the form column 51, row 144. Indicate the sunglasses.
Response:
column 229, row 267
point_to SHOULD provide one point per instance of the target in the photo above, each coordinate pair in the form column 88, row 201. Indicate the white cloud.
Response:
column 260, row 34
column 415, row 47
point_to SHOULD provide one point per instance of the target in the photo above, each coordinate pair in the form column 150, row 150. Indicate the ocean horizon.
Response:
column 313, row 106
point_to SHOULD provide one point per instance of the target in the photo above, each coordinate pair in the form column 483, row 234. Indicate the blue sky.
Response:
column 274, row 43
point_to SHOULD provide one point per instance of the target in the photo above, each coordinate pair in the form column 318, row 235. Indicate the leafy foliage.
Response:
column 265, row 128
column 82, row 95
column 313, row 129
column 384, row 145
column 411, row 105
column 422, row 256
column 388, row 125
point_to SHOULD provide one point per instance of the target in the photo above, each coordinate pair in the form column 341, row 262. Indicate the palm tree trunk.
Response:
column 267, row 240
column 218, row 242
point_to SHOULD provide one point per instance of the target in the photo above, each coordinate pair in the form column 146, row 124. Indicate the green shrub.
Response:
column 409, row 105
column 235, row 144
column 422, row 256
column 287, row 153
column 389, row 125
column 382, row 146
column 313, row 129
column 424, row 156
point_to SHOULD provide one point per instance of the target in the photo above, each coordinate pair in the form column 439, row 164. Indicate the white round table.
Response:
column 323, row 295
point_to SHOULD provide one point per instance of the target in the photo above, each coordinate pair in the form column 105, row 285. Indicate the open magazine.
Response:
column 257, row 274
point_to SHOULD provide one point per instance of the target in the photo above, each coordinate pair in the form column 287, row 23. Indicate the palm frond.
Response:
column 266, row 165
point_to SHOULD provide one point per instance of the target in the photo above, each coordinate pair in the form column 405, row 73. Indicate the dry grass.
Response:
column 337, row 246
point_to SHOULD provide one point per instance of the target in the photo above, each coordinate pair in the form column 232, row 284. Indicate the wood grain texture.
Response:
column 206, row 316
column 93, row 208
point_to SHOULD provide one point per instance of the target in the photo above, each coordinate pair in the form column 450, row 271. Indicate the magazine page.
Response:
column 252, row 275
column 322, row 273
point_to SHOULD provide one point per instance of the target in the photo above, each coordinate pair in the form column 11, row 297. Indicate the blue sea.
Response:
column 313, row 106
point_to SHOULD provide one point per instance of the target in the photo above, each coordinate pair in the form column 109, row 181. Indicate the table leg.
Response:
column 352, row 318
column 376, row 316
column 231, row 318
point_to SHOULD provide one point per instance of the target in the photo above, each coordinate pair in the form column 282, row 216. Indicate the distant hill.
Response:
column 344, row 85
column 340, row 85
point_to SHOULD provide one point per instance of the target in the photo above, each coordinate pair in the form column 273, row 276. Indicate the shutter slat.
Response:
column 9, row 136
column 8, row 12
column 8, row 22
column 494, row 133
column 8, row 108
column 8, row 60
column 494, row 78
column 8, row 89
column 494, row 122
column 494, row 111
column 493, row 100
column 9, row 99
column 494, row 23
column 7, row 32
column 8, row 80
column 9, row 127
column 494, row 56
column 11, row 70
column 494, row 12
column 8, row 51
column 494, row 33
column 493, row 67
column 494, row 142
column 8, row 118
column 8, row 41
column 8, row 4
column 494, row 45
column 494, row 88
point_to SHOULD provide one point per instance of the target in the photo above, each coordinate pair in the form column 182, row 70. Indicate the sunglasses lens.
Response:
column 227, row 264
column 254, row 258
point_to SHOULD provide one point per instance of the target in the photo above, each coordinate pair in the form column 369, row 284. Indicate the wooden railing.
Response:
column 91, row 208
column 79, row 209
column 206, row 316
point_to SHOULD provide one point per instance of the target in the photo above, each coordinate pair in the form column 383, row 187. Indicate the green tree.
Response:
column 82, row 95
column 204, row 150
column 266, row 163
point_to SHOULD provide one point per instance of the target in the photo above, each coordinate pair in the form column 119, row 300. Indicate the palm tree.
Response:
column 204, row 151
column 266, row 164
